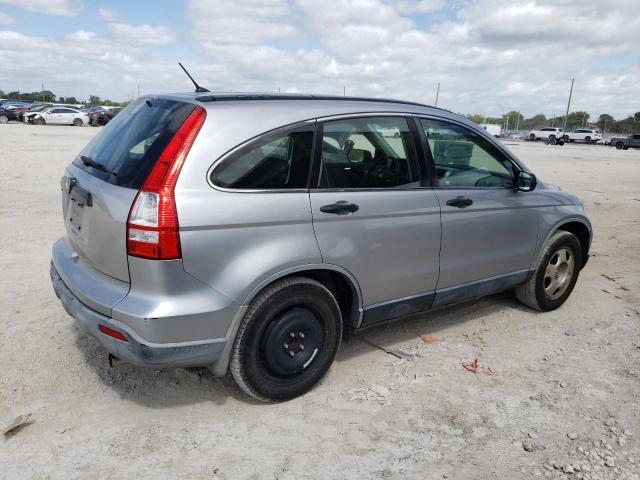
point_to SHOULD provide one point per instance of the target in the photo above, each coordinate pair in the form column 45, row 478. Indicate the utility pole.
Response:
column 437, row 94
column 42, row 94
column 564, row 124
column 344, row 90
column 517, row 121
column 138, row 89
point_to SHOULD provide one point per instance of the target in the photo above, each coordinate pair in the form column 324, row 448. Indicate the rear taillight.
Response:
column 152, row 228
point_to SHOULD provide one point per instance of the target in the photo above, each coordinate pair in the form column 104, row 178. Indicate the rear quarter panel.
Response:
column 234, row 240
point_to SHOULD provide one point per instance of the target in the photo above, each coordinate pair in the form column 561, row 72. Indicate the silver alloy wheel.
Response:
column 4, row 119
column 559, row 273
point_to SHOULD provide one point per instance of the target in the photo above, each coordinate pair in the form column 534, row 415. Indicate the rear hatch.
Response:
column 99, row 187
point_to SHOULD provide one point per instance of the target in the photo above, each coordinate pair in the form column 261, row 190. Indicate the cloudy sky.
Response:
column 490, row 56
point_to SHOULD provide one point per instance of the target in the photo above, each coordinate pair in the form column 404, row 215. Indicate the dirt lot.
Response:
column 564, row 400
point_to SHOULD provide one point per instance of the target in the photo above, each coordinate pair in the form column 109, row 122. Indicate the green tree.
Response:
column 537, row 121
column 628, row 125
column 475, row 117
column 605, row 122
column 636, row 116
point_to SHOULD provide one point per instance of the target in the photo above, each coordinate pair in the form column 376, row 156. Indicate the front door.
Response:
column 489, row 229
column 373, row 215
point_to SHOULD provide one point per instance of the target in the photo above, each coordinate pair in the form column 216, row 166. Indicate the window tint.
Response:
column 56, row 110
column 276, row 162
column 375, row 152
column 130, row 144
column 464, row 159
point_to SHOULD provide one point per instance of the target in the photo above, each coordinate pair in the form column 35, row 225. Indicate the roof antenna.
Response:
column 199, row 89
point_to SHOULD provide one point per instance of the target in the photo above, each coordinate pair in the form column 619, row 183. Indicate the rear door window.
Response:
column 360, row 153
column 129, row 145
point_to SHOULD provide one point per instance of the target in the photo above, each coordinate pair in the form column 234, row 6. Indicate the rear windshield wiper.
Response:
column 89, row 162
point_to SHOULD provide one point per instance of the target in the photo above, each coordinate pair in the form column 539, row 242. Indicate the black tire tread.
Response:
column 236, row 365
column 526, row 292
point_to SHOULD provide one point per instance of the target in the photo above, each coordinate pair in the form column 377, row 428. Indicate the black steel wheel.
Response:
column 287, row 340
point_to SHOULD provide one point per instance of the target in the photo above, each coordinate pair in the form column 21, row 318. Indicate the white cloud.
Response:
column 4, row 18
column 109, row 15
column 489, row 56
column 81, row 36
column 143, row 34
column 239, row 22
column 67, row 8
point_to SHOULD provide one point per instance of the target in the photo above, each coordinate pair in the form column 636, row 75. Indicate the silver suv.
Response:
column 253, row 232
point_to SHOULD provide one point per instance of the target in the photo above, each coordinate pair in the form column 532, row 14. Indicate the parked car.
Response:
column 257, row 246
column 547, row 133
column 7, row 115
column 583, row 135
column 60, row 116
column 492, row 128
column 32, row 110
column 624, row 143
column 102, row 117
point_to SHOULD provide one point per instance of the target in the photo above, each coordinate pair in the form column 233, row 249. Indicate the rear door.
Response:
column 100, row 185
column 53, row 116
column 374, row 216
column 489, row 230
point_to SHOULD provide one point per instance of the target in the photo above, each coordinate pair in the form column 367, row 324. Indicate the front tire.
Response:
column 4, row 119
column 532, row 137
column 287, row 340
column 77, row 122
column 39, row 121
column 556, row 273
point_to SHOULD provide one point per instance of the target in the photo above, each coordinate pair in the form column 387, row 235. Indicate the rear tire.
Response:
column 4, row 119
column 619, row 146
column 532, row 137
column 555, row 275
column 587, row 139
column 287, row 340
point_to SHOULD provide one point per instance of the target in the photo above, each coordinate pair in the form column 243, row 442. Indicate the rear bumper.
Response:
column 136, row 350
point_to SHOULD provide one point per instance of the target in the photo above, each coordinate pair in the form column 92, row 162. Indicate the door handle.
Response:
column 340, row 208
column 460, row 202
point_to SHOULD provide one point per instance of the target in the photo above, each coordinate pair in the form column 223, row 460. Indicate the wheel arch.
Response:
column 580, row 227
column 339, row 281
column 583, row 233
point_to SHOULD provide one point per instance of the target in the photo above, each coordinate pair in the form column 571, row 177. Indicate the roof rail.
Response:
column 268, row 96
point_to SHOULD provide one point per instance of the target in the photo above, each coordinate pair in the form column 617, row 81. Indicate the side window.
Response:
column 280, row 161
column 56, row 110
column 369, row 152
column 464, row 159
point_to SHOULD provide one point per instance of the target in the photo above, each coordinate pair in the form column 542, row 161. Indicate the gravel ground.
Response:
column 563, row 402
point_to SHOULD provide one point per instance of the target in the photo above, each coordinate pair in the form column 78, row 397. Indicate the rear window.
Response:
column 129, row 145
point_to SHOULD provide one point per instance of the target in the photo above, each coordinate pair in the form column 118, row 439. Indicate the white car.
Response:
column 547, row 133
column 61, row 116
column 583, row 135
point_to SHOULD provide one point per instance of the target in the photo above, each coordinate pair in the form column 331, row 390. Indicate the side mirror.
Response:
column 525, row 181
column 356, row 155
